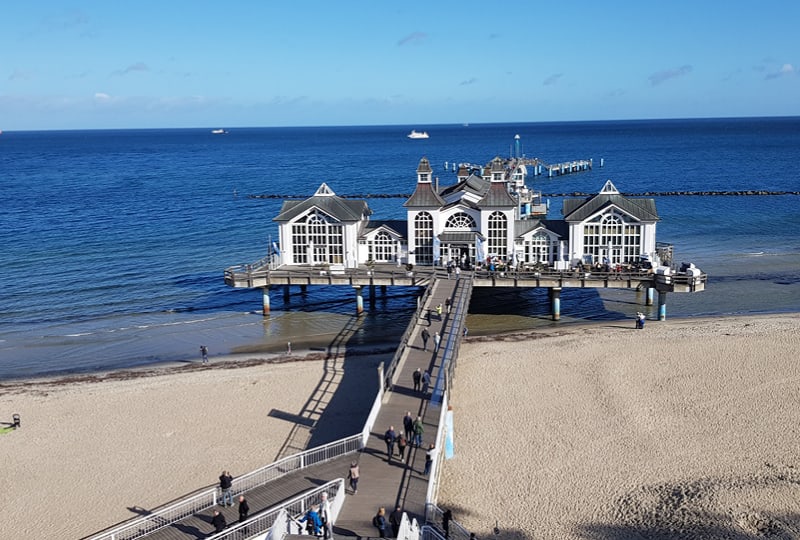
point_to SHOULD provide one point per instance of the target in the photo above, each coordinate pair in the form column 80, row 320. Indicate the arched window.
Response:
column 609, row 238
column 497, row 238
column 460, row 221
column 316, row 241
column 382, row 247
column 537, row 249
column 423, row 232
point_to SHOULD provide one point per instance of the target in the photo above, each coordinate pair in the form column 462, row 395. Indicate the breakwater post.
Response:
column 555, row 302
column 359, row 299
column 662, row 306
column 265, row 299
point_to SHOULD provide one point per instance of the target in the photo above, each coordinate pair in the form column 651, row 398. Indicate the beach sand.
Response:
column 685, row 429
column 93, row 450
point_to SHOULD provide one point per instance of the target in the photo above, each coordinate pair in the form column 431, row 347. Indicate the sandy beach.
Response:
column 686, row 429
column 94, row 449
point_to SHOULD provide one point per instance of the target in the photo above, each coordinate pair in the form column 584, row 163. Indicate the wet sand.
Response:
column 686, row 429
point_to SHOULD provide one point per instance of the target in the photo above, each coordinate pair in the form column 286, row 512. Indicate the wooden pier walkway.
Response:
column 383, row 483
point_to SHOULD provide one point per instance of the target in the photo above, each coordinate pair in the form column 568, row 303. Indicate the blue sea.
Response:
column 113, row 243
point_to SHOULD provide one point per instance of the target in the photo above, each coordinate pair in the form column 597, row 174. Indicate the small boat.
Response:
column 218, row 131
column 418, row 134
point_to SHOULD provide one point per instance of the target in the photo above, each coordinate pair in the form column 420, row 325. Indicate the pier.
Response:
column 280, row 493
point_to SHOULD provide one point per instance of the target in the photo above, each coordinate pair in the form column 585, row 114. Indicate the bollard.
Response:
column 16, row 420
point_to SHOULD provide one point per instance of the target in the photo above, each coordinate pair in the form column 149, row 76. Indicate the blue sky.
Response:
column 145, row 64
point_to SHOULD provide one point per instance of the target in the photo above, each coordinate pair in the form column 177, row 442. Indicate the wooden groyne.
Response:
column 739, row 193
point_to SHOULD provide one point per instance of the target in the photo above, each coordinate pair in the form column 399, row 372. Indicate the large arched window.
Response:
column 423, row 232
column 460, row 221
column 537, row 249
column 316, row 241
column 497, row 237
column 609, row 237
column 382, row 247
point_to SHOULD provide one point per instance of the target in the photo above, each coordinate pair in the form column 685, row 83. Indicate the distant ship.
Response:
column 218, row 131
column 418, row 134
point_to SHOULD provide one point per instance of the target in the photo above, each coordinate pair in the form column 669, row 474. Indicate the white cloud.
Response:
column 101, row 97
column 667, row 74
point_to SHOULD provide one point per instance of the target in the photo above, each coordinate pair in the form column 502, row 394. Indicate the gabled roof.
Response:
column 558, row 227
column 581, row 209
column 424, row 196
column 328, row 202
column 497, row 195
column 397, row 226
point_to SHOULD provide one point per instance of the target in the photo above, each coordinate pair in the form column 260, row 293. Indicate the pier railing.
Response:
column 207, row 498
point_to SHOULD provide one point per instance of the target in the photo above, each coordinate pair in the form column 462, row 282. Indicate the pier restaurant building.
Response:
column 489, row 216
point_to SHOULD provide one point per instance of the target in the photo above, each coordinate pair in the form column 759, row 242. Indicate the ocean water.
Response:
column 113, row 243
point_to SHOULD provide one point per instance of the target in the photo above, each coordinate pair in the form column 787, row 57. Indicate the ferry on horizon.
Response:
column 418, row 134
column 218, row 131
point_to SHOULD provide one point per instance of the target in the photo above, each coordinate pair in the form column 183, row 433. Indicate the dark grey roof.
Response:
column 424, row 196
column 424, row 166
column 581, row 209
column 333, row 205
column 398, row 226
column 497, row 196
column 460, row 237
column 558, row 227
column 473, row 183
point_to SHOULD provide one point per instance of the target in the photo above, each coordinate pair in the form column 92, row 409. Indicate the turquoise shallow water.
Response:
column 113, row 243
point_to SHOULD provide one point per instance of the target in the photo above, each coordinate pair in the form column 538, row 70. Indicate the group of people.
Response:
column 437, row 340
column 318, row 518
column 421, row 380
column 226, row 485
column 411, row 435
column 640, row 319
column 380, row 521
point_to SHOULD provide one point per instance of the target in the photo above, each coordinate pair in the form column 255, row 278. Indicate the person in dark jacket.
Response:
column 379, row 521
column 244, row 509
column 395, row 518
column 218, row 521
column 225, row 485
column 389, row 438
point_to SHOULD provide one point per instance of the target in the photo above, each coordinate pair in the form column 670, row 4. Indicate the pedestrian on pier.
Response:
column 449, row 270
column 395, row 518
column 218, row 521
column 466, row 331
column 426, row 377
column 447, row 517
column 439, row 311
column 408, row 426
column 419, row 429
column 204, row 353
column 325, row 516
column 244, row 509
column 313, row 522
column 458, row 272
column 428, row 317
column 437, row 340
column 425, row 336
column 225, row 485
column 429, row 459
column 379, row 522
column 353, row 476
column 401, row 447
column 447, row 305
column 417, row 377
column 389, row 438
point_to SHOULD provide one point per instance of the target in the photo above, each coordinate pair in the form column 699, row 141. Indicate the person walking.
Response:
column 447, row 305
column 419, row 429
column 429, row 455
column 458, row 272
column 225, row 485
column 312, row 520
column 447, row 517
column 379, row 522
column 325, row 516
column 401, row 447
column 389, row 438
column 353, row 476
column 439, row 311
column 218, row 521
column 437, row 340
column 426, row 379
column 395, row 518
column 204, row 353
column 425, row 336
column 408, row 425
column 244, row 509
column 417, row 377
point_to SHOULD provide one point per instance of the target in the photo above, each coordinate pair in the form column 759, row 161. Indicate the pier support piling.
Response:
column 649, row 301
column 286, row 294
column 555, row 302
column 359, row 300
column 265, row 300
column 662, row 306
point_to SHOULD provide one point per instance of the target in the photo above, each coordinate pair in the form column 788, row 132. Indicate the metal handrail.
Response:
column 183, row 508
